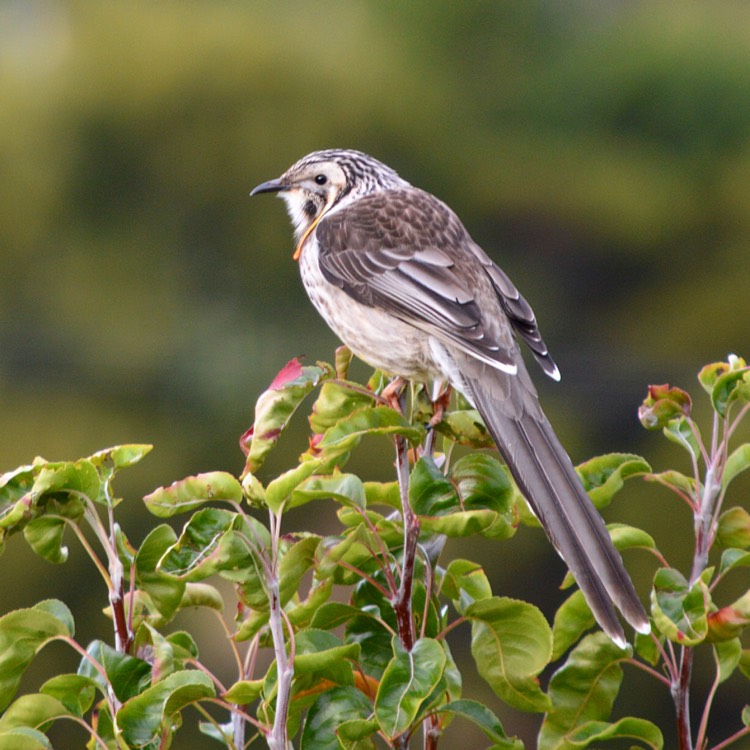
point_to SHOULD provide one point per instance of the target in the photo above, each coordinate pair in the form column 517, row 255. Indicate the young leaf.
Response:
column 143, row 718
column 511, row 644
column 24, row 738
column 662, row 404
column 680, row 611
column 189, row 494
column 23, row 633
column 408, row 680
column 604, row 476
column 582, row 690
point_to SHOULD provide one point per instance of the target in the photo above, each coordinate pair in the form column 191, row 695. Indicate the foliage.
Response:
column 358, row 621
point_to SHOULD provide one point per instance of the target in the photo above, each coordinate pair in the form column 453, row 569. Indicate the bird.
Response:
column 397, row 277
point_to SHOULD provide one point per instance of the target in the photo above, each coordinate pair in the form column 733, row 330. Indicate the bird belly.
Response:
column 373, row 335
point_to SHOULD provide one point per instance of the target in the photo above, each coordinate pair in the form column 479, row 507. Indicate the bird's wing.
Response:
column 406, row 252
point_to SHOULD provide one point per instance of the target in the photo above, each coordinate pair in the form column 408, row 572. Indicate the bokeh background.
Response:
column 599, row 151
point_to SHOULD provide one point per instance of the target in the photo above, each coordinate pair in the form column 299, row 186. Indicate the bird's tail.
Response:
column 544, row 473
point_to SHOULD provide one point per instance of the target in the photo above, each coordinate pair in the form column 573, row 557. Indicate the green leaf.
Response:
column 275, row 408
column 679, row 611
column 734, row 558
column 465, row 427
column 407, row 682
column 244, row 691
column 727, row 655
column 478, row 498
column 738, row 461
column 24, row 738
column 731, row 386
column 321, row 654
column 330, row 713
column 23, row 633
column 511, row 644
column 465, row 582
column 629, row 537
column 582, row 690
column 333, row 614
column 74, row 691
column 337, row 401
column 343, row 488
column 126, row 674
column 165, row 591
column 296, row 561
column 734, row 528
column 572, row 619
column 121, row 456
column 189, row 494
column 378, row 420
column 33, row 711
column 280, row 489
column 153, row 647
column 45, row 535
column 604, row 476
column 383, row 493
column 143, row 718
column 202, row 595
column 683, row 433
column 484, row 719
column 73, row 477
column 215, row 541
column 629, row 727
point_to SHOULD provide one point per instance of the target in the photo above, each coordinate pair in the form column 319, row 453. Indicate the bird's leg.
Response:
column 439, row 407
column 393, row 393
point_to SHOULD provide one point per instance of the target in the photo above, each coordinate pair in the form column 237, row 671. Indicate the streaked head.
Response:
column 324, row 179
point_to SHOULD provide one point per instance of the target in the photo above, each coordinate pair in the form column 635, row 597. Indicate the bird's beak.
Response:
column 272, row 186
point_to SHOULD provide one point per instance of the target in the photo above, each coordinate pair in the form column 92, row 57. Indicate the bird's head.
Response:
column 323, row 180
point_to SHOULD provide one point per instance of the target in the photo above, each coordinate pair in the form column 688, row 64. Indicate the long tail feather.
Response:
column 545, row 475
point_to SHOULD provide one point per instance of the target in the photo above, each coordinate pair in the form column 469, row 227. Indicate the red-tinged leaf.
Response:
column 290, row 371
column 679, row 610
column 275, row 408
column 662, row 404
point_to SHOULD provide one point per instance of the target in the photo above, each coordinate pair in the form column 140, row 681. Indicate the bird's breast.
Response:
column 375, row 336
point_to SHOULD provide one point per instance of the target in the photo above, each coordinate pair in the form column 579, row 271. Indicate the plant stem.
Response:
column 681, row 697
column 402, row 604
column 278, row 739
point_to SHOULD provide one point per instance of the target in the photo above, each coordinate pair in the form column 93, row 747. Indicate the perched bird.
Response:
column 395, row 274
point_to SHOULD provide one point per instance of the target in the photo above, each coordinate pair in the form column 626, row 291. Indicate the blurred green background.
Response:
column 599, row 151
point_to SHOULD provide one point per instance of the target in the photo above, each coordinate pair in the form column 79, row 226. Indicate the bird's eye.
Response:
column 321, row 179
